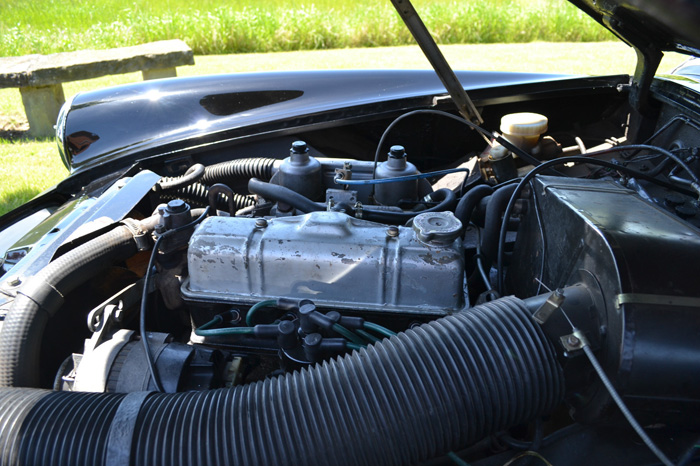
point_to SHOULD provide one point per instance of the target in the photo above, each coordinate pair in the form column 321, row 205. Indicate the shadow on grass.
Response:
column 13, row 199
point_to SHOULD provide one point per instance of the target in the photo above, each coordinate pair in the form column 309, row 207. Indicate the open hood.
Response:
column 669, row 25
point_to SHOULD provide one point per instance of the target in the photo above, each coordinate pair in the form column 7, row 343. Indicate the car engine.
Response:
column 531, row 295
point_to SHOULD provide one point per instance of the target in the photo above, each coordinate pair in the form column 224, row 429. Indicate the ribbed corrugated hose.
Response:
column 42, row 295
column 260, row 168
column 197, row 193
column 422, row 393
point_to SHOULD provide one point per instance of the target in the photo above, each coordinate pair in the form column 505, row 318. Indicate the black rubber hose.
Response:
column 492, row 223
column 192, row 175
column 414, row 396
column 275, row 192
column 260, row 168
column 446, row 201
column 198, row 194
column 42, row 295
column 465, row 207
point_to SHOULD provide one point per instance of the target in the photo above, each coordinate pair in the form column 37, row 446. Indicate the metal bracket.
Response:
column 554, row 302
column 574, row 341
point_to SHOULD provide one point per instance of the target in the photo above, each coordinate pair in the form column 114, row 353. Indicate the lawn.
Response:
column 244, row 26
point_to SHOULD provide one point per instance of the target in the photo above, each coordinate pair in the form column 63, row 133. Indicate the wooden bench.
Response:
column 40, row 77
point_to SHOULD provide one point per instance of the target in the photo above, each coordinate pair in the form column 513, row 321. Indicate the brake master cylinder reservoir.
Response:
column 396, row 165
column 301, row 172
column 523, row 129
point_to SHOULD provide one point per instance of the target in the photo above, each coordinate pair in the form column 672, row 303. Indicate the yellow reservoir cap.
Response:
column 523, row 129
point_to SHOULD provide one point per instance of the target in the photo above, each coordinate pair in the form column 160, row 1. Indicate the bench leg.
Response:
column 42, row 104
column 159, row 73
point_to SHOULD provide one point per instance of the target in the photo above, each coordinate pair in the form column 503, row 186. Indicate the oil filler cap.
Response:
column 437, row 227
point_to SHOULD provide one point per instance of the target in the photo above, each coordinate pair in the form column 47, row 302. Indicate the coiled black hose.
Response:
column 42, row 295
column 260, row 168
column 198, row 194
column 275, row 192
column 414, row 396
column 465, row 207
column 192, row 175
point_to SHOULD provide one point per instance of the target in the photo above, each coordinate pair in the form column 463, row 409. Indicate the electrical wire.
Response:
column 144, row 298
column 339, row 180
column 540, row 225
column 393, row 124
column 479, row 263
column 367, row 336
column 255, row 308
column 528, row 453
column 378, row 329
column 353, row 346
column 202, row 332
column 456, row 459
column 625, row 411
column 339, row 329
column 561, row 161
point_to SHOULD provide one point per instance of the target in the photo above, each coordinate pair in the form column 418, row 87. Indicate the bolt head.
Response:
column 392, row 232
column 261, row 223
column 15, row 282
column 572, row 340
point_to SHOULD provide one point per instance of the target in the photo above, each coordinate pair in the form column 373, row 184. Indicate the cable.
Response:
column 255, row 308
column 353, row 346
column 528, row 453
column 144, row 298
column 560, row 161
column 479, row 263
column 202, row 332
column 456, row 459
column 538, row 215
column 339, row 329
column 687, row 457
column 379, row 329
column 662, row 151
column 339, row 180
column 367, row 336
column 621, row 404
column 391, row 126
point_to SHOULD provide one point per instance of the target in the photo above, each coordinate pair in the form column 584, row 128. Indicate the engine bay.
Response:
column 448, row 262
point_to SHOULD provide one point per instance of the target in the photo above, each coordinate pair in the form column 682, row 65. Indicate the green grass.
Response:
column 216, row 27
column 28, row 167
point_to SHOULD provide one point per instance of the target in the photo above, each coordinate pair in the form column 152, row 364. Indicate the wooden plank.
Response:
column 46, row 70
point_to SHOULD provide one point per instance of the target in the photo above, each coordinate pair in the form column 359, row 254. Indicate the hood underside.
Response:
column 670, row 25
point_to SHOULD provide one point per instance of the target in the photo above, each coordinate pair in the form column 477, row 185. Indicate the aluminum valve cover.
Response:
column 329, row 257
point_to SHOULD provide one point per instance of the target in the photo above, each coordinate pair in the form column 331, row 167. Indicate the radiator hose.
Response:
column 422, row 393
column 41, row 297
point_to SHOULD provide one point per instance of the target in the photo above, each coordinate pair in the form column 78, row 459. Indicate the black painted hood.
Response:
column 666, row 25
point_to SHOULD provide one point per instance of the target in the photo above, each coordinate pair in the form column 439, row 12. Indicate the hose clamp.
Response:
column 141, row 237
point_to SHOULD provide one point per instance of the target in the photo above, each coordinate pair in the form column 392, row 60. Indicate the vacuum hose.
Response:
column 422, row 393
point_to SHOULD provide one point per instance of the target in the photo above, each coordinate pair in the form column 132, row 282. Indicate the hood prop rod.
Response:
column 437, row 60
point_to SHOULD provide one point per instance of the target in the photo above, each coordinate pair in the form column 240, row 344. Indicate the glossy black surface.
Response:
column 664, row 25
column 161, row 116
